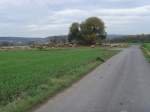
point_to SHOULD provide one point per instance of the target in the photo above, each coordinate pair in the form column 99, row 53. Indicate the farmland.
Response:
column 29, row 77
column 146, row 50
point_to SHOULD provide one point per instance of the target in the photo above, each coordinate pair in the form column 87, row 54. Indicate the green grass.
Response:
column 29, row 77
column 146, row 50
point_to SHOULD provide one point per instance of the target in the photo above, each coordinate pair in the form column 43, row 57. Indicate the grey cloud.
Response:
column 53, row 17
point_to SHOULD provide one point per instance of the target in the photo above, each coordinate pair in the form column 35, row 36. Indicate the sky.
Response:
column 42, row 18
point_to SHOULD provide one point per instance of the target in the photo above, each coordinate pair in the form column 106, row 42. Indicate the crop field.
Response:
column 146, row 49
column 29, row 77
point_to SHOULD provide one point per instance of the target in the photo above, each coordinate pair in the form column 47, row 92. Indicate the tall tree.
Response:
column 90, row 31
column 74, row 33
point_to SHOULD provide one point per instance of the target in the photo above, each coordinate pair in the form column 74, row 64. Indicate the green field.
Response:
column 147, row 46
column 29, row 77
column 146, row 50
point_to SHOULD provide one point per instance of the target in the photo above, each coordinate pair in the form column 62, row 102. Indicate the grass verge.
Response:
column 146, row 50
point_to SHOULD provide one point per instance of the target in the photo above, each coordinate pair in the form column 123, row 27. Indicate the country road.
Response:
column 122, row 84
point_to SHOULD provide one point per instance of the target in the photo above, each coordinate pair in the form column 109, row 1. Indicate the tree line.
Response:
column 131, row 38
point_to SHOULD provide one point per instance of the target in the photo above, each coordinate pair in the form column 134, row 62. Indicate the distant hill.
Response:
column 131, row 38
column 60, row 38
column 20, row 40
column 28, row 41
column 112, row 36
column 17, row 39
column 25, row 39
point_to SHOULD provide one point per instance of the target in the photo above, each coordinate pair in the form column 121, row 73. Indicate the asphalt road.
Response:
column 122, row 84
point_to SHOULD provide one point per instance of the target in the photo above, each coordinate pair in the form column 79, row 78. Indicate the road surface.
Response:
column 122, row 84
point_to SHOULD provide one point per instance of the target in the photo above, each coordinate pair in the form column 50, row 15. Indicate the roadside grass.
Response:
column 27, row 78
column 146, row 50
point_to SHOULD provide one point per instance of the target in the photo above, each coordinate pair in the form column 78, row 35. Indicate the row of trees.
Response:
column 131, row 38
column 90, row 31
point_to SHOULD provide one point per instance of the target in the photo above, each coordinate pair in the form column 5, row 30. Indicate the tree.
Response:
column 74, row 33
column 90, row 31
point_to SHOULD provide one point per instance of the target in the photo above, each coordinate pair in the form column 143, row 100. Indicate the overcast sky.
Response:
column 41, row 18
